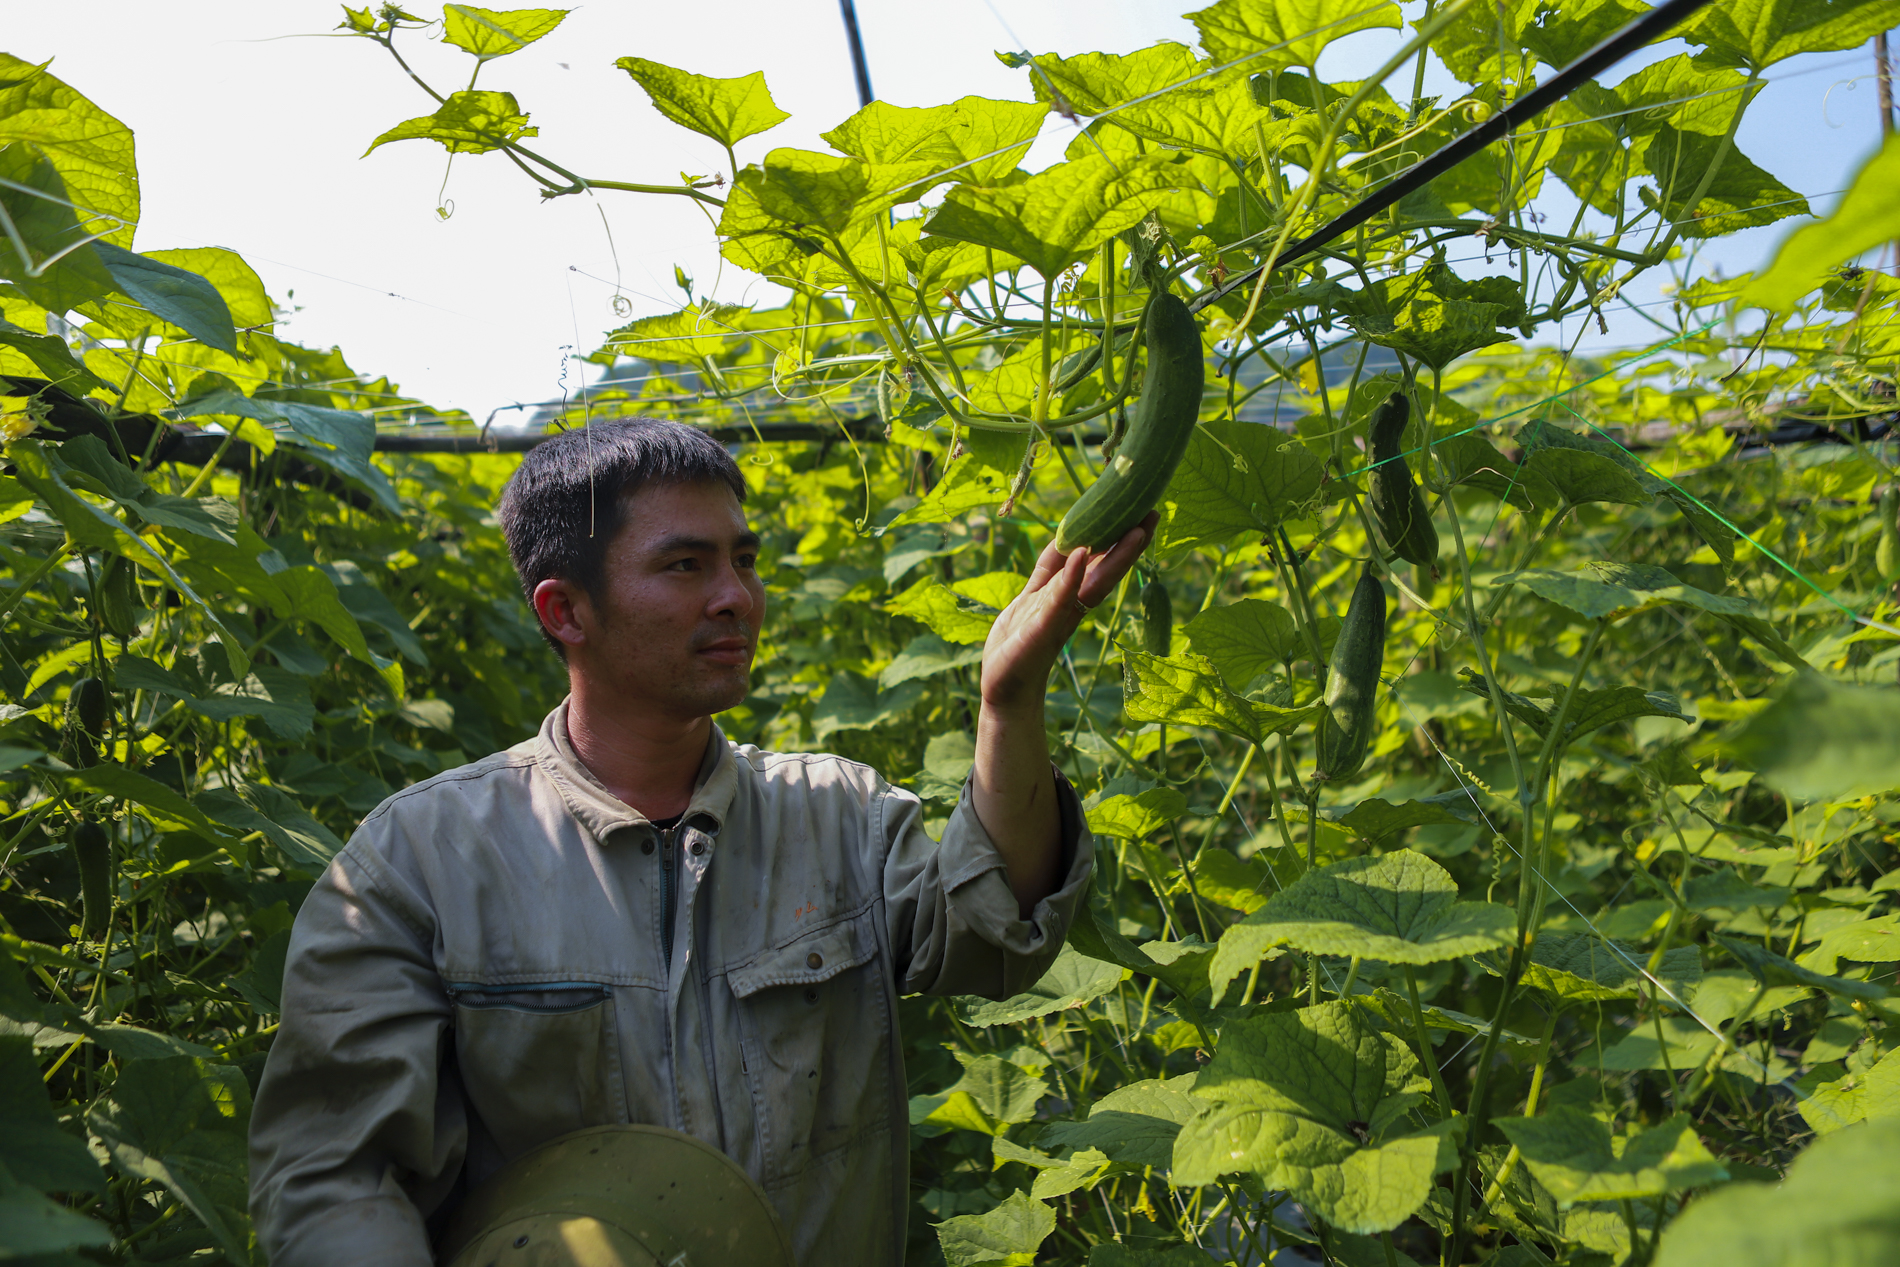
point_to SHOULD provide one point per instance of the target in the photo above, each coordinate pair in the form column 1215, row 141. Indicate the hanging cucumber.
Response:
column 1352, row 679
column 1398, row 506
column 86, row 712
column 1158, row 435
column 1887, row 553
column 1157, row 618
column 92, row 850
column 117, row 599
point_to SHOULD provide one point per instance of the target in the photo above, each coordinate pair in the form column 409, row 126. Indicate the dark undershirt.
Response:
column 667, row 824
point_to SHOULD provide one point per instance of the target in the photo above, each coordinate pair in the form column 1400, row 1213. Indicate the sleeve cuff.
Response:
column 386, row 1230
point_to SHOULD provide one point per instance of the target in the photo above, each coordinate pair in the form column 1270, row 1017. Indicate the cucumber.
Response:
column 1133, row 480
column 87, row 708
column 1157, row 618
column 1352, row 678
column 92, row 850
column 1398, row 506
column 1887, row 553
column 117, row 600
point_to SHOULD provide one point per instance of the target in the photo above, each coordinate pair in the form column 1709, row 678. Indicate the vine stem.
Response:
column 1530, row 1110
column 25, row 587
column 1425, row 1042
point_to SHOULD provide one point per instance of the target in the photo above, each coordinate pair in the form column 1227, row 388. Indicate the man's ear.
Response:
column 564, row 611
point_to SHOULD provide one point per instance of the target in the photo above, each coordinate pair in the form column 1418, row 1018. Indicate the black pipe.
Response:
column 858, row 65
column 1652, row 25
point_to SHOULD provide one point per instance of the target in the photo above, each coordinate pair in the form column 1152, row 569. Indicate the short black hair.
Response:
column 565, row 502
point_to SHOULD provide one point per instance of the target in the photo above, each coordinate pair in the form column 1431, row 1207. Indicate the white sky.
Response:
column 250, row 137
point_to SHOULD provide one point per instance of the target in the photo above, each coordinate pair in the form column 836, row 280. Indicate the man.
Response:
column 630, row 919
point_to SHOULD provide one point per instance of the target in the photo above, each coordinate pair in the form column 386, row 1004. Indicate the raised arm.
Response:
column 1014, row 787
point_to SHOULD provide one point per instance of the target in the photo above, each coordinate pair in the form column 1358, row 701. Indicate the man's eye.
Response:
column 747, row 561
column 682, row 565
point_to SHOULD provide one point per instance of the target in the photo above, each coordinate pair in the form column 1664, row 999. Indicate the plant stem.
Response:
column 1425, row 1042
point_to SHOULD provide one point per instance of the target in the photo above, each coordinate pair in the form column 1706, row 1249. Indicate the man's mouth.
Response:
column 733, row 651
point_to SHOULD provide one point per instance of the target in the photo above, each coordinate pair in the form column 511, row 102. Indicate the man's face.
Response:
column 677, row 617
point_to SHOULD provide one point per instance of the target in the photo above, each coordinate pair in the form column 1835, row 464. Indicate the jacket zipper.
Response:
column 669, row 894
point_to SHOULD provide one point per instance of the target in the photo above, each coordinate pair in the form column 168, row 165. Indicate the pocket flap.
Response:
column 814, row 957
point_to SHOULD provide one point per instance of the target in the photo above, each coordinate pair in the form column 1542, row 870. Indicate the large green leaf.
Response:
column 993, row 1094
column 1309, row 1101
column 31, row 1226
column 1855, row 1096
column 1092, row 83
column 1433, row 314
column 685, row 337
column 1589, row 709
column 1839, row 1204
column 1246, row 639
column 1572, row 477
column 1864, row 941
column 181, row 1122
column 1772, row 969
column 32, row 1146
column 1059, row 215
column 1819, row 739
column 962, row 611
column 48, row 252
column 1135, row 1124
column 1577, row 968
column 340, row 439
column 489, row 33
column 1574, row 1156
column 51, row 357
column 1739, row 195
column 1867, row 215
column 1136, row 817
column 178, row 295
column 973, row 140
column 89, row 149
column 854, row 702
column 1007, row 1236
column 1213, row 498
column 472, row 121
column 1759, row 33
column 1616, row 590
column 727, row 110
column 1073, row 980
column 1285, row 32
column 1186, row 690
column 1400, row 907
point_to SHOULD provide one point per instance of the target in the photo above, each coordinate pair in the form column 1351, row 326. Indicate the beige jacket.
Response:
column 486, row 966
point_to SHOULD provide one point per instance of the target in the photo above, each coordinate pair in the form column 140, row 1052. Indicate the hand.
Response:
column 1030, row 633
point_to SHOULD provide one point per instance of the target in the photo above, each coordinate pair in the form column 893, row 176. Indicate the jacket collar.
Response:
column 601, row 812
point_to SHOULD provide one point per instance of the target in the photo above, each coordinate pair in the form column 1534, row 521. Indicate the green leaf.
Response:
column 1306, row 1100
column 1134, row 1124
column 1009, row 1235
column 51, row 357
column 1839, row 1204
column 1136, row 817
column 472, row 121
column 992, row 1095
column 1397, row 1013
column 31, row 1225
column 1573, row 477
column 1092, row 83
column 1616, row 590
column 1855, row 1097
column 1214, row 117
column 1211, row 500
column 684, row 337
column 1246, row 639
column 32, row 1146
column 1097, row 937
column 1224, row 879
column 89, row 149
column 488, row 33
column 1400, row 907
column 1575, row 968
column 1285, row 32
column 854, row 702
column 53, row 261
column 236, row 282
column 1573, row 1155
column 177, row 295
column 1589, row 710
column 1821, row 740
column 727, row 110
column 1475, row 462
column 305, row 843
column 1759, row 33
column 1186, row 690
column 1433, row 314
column 1739, row 196
column 973, row 140
column 1772, row 969
column 1866, row 216
column 138, row 789
column 1865, row 941
column 181, row 1122
column 969, row 482
column 926, row 655
column 1056, row 217
column 1072, row 981
column 277, row 697
column 1377, row 818
column 340, row 439
column 961, row 612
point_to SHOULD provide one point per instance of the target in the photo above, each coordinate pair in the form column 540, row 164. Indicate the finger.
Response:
column 1106, row 571
column 1048, row 563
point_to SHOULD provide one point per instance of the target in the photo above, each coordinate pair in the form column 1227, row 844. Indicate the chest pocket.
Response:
column 538, row 1060
column 816, row 1029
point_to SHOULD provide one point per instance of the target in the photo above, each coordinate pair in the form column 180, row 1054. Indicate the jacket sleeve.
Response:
column 353, row 1136
column 954, row 922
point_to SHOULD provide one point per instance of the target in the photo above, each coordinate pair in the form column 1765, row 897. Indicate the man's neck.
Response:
column 652, row 763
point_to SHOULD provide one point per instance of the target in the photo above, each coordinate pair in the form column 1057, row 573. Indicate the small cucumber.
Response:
column 1135, row 477
column 87, row 709
column 117, row 600
column 92, row 850
column 1157, row 618
column 1352, row 678
column 1398, row 506
column 1887, row 553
